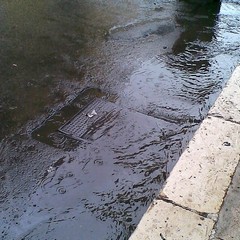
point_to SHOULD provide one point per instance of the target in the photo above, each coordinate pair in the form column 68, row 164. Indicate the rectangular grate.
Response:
column 99, row 114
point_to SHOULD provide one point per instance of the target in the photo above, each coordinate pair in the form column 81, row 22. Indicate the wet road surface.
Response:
column 156, row 67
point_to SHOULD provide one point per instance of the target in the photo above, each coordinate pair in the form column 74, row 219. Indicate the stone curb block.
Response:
column 198, row 183
column 166, row 221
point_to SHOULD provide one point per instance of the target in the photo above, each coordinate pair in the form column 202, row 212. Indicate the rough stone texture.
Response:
column 167, row 221
column 227, row 105
column 203, row 173
column 229, row 218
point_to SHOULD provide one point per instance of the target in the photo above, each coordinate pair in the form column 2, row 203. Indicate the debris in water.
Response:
column 227, row 144
column 92, row 114
column 50, row 169
column 13, row 108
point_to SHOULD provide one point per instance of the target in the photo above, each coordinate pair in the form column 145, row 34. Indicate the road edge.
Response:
column 191, row 199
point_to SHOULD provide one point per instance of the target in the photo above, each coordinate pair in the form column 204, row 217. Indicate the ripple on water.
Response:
column 113, row 180
column 61, row 190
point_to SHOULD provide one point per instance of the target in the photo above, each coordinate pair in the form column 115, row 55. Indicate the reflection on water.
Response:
column 45, row 47
column 106, row 186
column 191, row 59
column 100, row 190
column 183, row 85
column 198, row 54
column 199, row 25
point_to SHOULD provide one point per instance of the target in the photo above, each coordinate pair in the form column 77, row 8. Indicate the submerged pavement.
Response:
column 200, row 198
column 158, row 66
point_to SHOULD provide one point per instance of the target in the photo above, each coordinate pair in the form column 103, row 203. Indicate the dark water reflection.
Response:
column 198, row 54
column 44, row 49
column 185, row 83
column 166, row 61
column 199, row 23
column 190, row 57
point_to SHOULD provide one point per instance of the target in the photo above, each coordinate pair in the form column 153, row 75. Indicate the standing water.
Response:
column 162, row 63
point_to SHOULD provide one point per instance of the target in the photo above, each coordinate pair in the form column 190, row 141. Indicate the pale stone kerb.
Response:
column 227, row 105
column 203, row 173
column 198, row 183
column 166, row 221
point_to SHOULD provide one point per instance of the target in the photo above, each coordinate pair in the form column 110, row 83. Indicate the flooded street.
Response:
column 98, row 100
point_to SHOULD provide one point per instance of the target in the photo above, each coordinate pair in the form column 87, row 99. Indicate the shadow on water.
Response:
column 198, row 22
column 182, row 85
column 191, row 52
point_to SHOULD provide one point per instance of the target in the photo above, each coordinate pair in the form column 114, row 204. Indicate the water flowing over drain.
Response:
column 98, row 114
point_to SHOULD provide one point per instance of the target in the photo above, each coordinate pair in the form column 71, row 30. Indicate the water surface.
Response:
column 163, row 63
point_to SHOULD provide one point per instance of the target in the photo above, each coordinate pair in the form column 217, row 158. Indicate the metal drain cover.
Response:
column 93, row 121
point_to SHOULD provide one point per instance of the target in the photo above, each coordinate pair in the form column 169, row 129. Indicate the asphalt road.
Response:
column 156, row 66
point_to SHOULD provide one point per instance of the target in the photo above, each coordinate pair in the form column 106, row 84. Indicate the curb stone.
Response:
column 197, row 186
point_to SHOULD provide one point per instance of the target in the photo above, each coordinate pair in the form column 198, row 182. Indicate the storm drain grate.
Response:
column 98, row 115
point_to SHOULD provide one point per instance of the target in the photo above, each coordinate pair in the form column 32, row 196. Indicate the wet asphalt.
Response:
column 151, row 71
